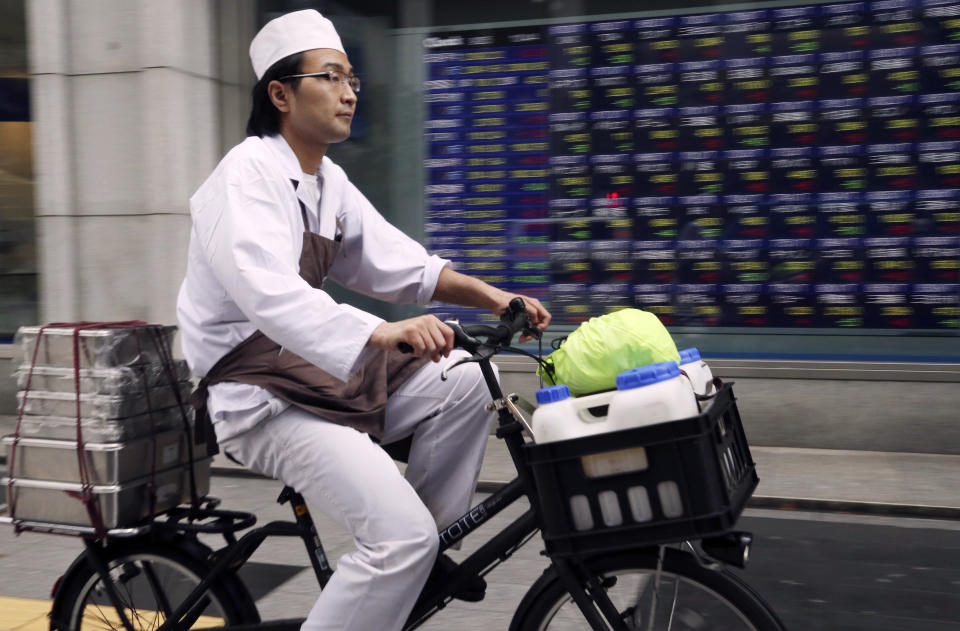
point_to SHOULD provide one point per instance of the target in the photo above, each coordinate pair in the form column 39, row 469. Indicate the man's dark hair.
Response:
column 264, row 116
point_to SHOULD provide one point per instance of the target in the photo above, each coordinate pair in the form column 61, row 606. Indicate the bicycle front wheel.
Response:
column 681, row 595
column 151, row 580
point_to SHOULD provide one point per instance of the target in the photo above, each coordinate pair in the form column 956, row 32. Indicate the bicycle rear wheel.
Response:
column 151, row 580
column 681, row 596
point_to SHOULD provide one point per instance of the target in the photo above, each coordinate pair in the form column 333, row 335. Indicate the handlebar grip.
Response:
column 463, row 337
column 516, row 316
column 515, row 319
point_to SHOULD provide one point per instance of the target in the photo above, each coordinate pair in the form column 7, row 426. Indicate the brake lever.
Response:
column 531, row 331
column 450, row 366
column 483, row 352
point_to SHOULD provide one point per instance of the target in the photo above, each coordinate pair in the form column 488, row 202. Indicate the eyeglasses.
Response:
column 335, row 77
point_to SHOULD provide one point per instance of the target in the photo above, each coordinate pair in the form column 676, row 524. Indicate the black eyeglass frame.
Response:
column 352, row 81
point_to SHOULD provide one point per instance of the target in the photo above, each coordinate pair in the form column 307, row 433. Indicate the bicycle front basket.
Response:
column 690, row 478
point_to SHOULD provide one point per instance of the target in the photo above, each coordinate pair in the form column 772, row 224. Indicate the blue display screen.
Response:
column 788, row 167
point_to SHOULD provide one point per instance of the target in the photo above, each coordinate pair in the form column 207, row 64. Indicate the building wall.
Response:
column 128, row 121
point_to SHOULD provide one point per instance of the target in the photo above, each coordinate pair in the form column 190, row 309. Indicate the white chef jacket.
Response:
column 243, row 271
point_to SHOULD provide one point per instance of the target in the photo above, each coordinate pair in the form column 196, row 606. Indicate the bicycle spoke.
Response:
column 656, row 592
column 102, row 620
column 103, row 617
column 673, row 606
column 131, row 611
column 159, row 594
column 656, row 589
column 110, row 614
column 146, row 589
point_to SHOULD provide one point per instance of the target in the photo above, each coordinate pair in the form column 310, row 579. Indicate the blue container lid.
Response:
column 688, row 355
column 553, row 394
column 647, row 375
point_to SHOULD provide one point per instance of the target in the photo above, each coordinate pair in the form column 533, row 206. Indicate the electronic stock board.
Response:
column 784, row 167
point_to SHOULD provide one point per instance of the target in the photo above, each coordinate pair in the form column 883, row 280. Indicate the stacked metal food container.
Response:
column 121, row 387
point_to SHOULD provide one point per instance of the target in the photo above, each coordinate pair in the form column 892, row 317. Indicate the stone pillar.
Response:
column 128, row 96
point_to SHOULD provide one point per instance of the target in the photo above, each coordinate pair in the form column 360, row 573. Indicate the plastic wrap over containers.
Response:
column 119, row 405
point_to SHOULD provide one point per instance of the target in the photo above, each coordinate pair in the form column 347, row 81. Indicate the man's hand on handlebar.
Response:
column 539, row 316
column 425, row 336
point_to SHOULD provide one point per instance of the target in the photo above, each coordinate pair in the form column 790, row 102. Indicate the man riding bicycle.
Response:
column 302, row 389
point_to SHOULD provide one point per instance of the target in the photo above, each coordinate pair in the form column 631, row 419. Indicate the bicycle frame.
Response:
column 496, row 550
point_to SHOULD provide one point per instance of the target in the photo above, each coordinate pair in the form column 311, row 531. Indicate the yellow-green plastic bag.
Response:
column 591, row 357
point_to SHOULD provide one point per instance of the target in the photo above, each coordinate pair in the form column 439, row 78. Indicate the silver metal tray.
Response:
column 107, row 463
column 109, row 381
column 100, row 406
column 100, row 431
column 98, row 348
column 121, row 505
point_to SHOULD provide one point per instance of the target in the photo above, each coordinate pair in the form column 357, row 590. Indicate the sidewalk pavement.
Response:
column 888, row 483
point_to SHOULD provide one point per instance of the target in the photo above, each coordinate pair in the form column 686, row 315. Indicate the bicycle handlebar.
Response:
column 514, row 319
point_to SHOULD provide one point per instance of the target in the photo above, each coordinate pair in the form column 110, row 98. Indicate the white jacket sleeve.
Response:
column 253, row 242
column 378, row 260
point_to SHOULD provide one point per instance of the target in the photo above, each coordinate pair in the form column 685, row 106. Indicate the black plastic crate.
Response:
column 698, row 476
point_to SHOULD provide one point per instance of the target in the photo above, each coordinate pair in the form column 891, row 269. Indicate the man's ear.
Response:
column 277, row 91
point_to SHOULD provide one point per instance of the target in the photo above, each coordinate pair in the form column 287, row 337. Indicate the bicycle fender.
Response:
column 549, row 576
column 187, row 545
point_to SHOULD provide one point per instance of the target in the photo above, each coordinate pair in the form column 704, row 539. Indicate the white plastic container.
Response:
column 561, row 416
column 698, row 372
column 645, row 395
column 651, row 394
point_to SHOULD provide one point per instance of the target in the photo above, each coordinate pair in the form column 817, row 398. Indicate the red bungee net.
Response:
column 86, row 494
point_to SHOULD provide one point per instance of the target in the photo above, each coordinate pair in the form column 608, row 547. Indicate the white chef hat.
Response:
column 291, row 33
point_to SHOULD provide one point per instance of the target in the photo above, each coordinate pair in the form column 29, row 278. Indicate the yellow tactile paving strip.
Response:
column 24, row 614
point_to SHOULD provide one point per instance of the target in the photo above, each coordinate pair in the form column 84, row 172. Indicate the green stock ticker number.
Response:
column 531, row 265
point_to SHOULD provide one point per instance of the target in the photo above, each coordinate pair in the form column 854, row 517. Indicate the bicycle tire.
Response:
column 146, row 572
column 712, row 599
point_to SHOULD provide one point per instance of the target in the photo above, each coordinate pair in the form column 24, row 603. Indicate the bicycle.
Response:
column 160, row 576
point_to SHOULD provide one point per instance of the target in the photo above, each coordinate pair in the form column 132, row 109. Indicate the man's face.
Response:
column 321, row 109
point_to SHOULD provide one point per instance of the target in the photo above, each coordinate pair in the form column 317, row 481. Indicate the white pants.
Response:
column 346, row 476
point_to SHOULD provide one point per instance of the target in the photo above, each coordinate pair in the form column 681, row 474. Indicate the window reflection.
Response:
column 18, row 260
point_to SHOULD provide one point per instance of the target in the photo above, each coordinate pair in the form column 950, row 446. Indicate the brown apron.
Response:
column 259, row 361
